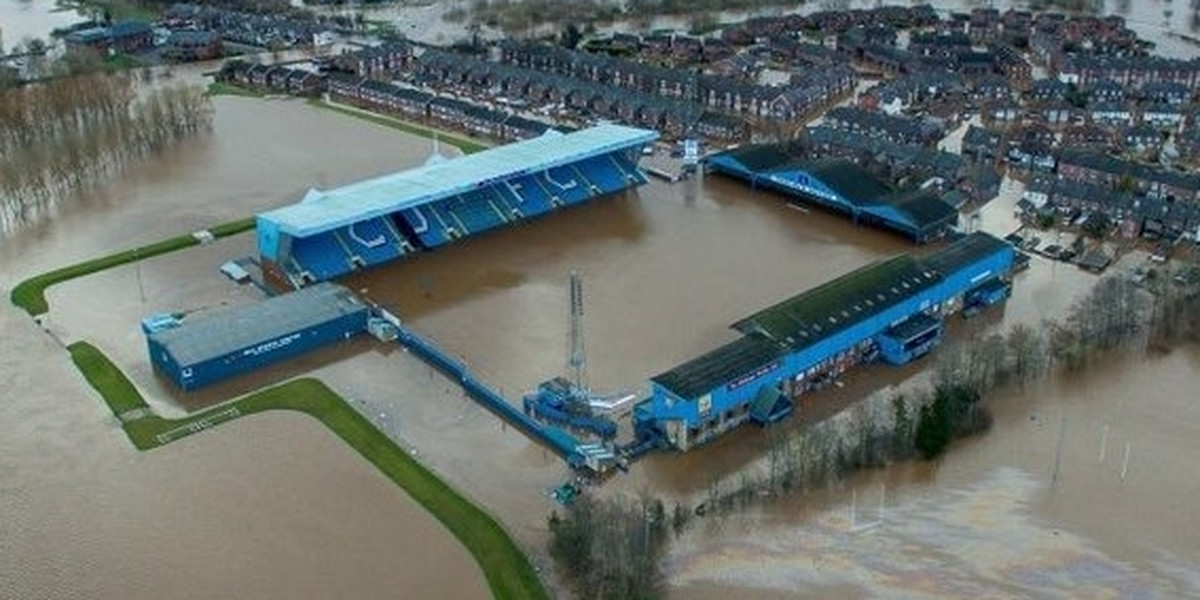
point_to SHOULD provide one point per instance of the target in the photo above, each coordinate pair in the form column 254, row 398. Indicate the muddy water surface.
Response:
column 666, row 269
column 23, row 20
column 267, row 507
column 992, row 519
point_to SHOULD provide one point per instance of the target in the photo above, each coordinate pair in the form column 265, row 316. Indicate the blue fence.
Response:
column 556, row 439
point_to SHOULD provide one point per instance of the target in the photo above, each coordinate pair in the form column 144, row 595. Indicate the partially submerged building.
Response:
column 891, row 310
column 195, row 350
column 842, row 186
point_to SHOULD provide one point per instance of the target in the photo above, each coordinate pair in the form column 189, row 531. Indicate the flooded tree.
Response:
column 1028, row 352
column 60, row 135
column 610, row 549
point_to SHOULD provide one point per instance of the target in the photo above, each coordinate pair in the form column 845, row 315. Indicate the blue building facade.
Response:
column 198, row 350
column 892, row 310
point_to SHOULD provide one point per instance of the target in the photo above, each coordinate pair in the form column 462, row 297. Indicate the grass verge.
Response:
column 220, row 88
column 466, row 145
column 508, row 571
column 30, row 294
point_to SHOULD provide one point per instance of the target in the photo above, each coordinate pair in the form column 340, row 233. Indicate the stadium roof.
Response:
column 325, row 211
column 707, row 371
column 209, row 335
column 849, row 180
column 964, row 252
column 924, row 208
column 823, row 311
column 757, row 158
column 831, row 307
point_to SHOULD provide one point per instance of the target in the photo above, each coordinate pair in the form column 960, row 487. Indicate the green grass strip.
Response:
column 509, row 572
column 466, row 145
column 30, row 294
column 221, row 88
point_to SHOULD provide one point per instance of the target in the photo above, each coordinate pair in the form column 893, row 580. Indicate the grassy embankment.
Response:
column 220, row 88
column 467, row 146
column 30, row 294
column 508, row 571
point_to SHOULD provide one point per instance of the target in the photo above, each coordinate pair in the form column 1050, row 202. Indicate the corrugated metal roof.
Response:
column 208, row 335
column 720, row 366
column 817, row 314
column 388, row 194
column 966, row 251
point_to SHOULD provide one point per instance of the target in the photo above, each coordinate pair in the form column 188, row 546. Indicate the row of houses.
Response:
column 387, row 98
column 297, row 82
column 1035, row 147
column 1131, row 72
column 1134, row 214
column 956, row 52
column 1145, row 180
column 671, row 47
column 1108, row 90
column 810, row 90
column 721, row 108
column 915, row 165
column 913, row 90
column 903, row 130
column 1022, row 28
column 376, row 62
column 830, row 22
column 450, row 72
column 266, row 30
column 418, row 104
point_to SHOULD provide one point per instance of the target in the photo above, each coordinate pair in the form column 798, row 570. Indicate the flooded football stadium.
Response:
column 274, row 505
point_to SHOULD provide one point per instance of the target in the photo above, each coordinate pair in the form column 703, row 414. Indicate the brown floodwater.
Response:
column 666, row 268
column 991, row 519
column 270, row 506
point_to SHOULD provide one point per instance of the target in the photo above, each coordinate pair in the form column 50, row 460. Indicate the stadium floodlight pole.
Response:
column 577, row 358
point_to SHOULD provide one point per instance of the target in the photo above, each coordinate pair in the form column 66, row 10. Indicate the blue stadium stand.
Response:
column 531, row 197
column 330, row 233
column 566, row 186
column 604, row 173
column 374, row 241
column 321, row 256
column 474, row 212
column 429, row 226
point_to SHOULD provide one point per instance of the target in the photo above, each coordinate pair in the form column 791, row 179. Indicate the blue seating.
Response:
column 633, row 175
column 566, row 183
column 475, row 212
column 424, row 222
column 604, row 174
column 321, row 255
column 373, row 241
column 529, row 195
column 503, row 201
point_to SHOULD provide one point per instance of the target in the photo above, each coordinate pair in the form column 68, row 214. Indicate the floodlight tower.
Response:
column 576, row 358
